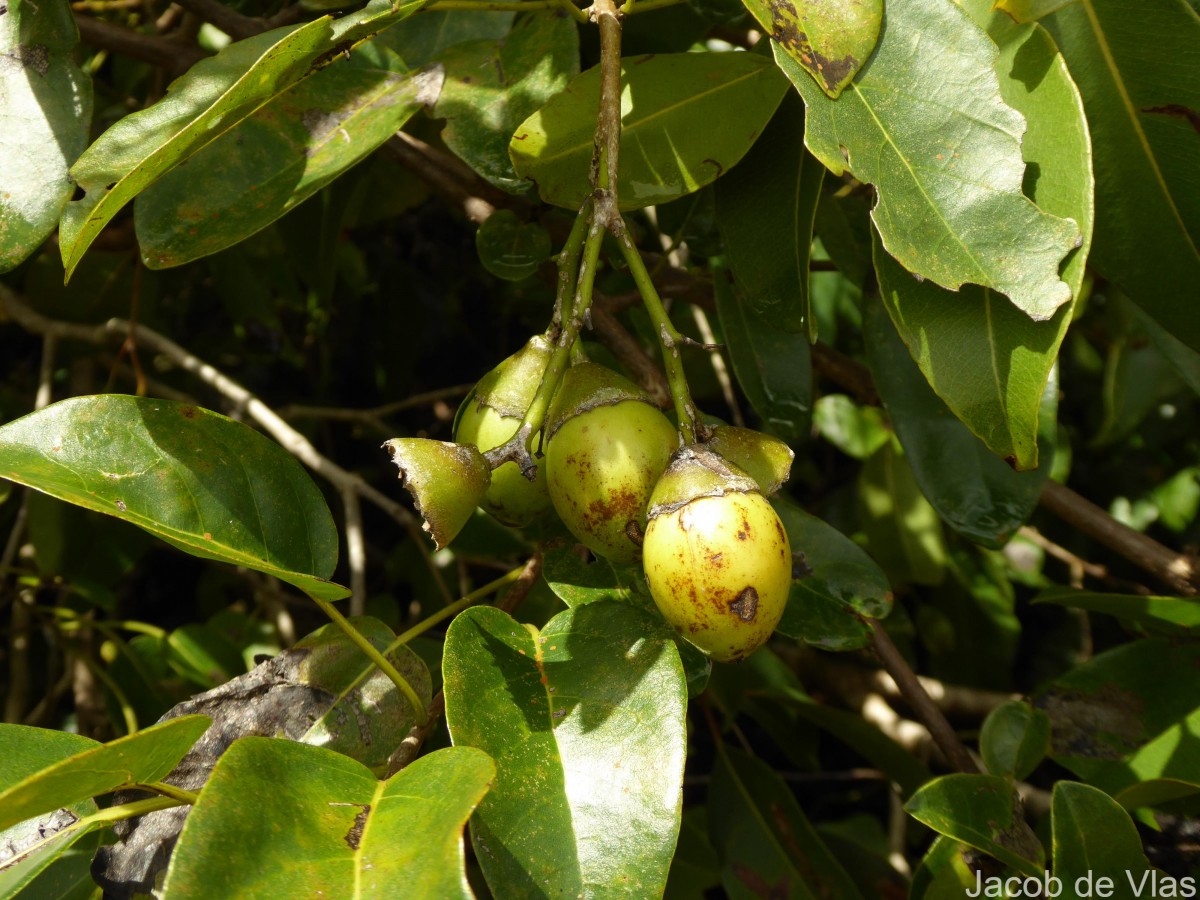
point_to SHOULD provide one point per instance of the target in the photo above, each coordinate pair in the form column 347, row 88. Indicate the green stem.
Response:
column 640, row 6
column 668, row 337
column 453, row 609
column 376, row 657
column 178, row 794
column 568, row 263
column 127, row 713
column 131, row 810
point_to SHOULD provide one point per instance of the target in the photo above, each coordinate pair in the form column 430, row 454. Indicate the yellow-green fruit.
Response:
column 716, row 556
column 491, row 415
column 608, row 446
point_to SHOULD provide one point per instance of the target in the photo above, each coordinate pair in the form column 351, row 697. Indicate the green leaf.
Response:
column 830, row 41
column 45, row 110
column 367, row 717
column 773, row 367
column 1141, row 95
column 586, row 721
column 215, row 95
column 576, row 580
column 767, row 845
column 203, row 483
column 983, row 812
column 1095, row 839
column 509, row 248
column 1108, row 708
column 278, row 157
column 987, row 361
column 904, row 534
column 492, row 86
column 669, row 147
column 1165, row 615
column 322, row 825
column 1182, row 358
column 974, row 491
column 1164, row 768
column 424, row 38
column 855, row 429
column 943, row 873
column 765, row 208
column 837, row 584
column 927, row 125
column 1014, row 739
column 139, row 758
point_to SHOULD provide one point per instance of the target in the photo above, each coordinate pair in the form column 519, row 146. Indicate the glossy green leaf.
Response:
column 1141, row 95
column 45, row 111
column 509, row 248
column 586, row 721
column 139, row 758
column 904, row 534
column 492, row 86
column 830, row 41
column 669, row 146
column 943, row 873
column 974, row 491
column 1014, row 739
column 27, row 750
column 203, row 483
column 1166, row 767
column 765, row 209
column 278, row 157
column 576, row 580
column 215, row 95
column 836, row 584
column 1182, row 358
column 1106, row 709
column 1095, row 839
column 772, row 366
column 1166, row 615
column 926, row 123
column 203, row 655
column 322, row 825
column 989, row 362
column 983, row 812
column 767, row 844
column 856, row 430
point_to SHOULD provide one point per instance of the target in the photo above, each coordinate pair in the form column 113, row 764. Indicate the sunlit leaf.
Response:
column 278, row 157
column 139, row 758
column 586, row 721
column 492, row 86
column 926, row 123
column 206, row 484
column 45, row 111
column 1014, row 739
column 1170, row 615
column 669, row 146
column 322, row 825
column 1095, row 839
column 830, row 41
column 904, row 534
column 214, row 96
column 988, row 361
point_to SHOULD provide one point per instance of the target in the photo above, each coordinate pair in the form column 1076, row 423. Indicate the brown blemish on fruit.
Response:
column 745, row 605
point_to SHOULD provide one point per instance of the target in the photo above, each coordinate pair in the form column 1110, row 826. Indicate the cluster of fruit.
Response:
column 715, row 554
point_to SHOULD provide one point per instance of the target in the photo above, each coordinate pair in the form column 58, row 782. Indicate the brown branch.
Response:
column 229, row 20
column 922, row 704
column 1173, row 569
column 164, row 53
column 644, row 370
column 849, row 373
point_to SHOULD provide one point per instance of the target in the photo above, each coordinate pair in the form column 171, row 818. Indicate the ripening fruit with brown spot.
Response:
column 716, row 556
column 606, row 449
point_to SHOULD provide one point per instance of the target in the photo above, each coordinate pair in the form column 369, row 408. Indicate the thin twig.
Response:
column 290, row 439
column 451, row 178
column 922, row 705
column 625, row 347
column 356, row 551
column 166, row 54
column 229, row 20
column 1173, row 569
